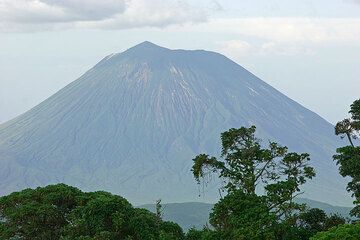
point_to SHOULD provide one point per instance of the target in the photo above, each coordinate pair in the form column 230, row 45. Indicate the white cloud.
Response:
column 216, row 6
column 45, row 11
column 271, row 48
column 286, row 30
column 154, row 13
column 238, row 49
column 89, row 9
column 281, row 36
column 30, row 15
column 355, row 1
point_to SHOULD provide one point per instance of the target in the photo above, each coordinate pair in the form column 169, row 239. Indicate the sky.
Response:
column 309, row 50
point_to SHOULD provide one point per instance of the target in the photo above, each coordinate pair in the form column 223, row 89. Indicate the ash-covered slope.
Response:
column 132, row 124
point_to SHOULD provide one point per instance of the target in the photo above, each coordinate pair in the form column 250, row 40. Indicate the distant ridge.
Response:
column 133, row 122
column 196, row 214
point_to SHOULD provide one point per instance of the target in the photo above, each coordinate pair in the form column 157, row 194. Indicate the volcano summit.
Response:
column 132, row 124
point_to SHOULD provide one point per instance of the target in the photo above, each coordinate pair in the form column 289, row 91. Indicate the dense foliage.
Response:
column 348, row 157
column 64, row 212
column 342, row 232
column 252, row 221
column 246, row 165
column 243, row 216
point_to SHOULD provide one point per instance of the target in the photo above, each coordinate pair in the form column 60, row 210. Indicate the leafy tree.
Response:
column 345, row 231
column 348, row 157
column 194, row 234
column 171, row 231
column 350, row 127
column 206, row 234
column 103, row 213
column 144, row 225
column 334, row 220
column 37, row 214
column 315, row 220
column 245, row 164
column 243, row 216
column 66, row 213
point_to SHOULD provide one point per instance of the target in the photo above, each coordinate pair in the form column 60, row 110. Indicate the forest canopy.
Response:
column 64, row 212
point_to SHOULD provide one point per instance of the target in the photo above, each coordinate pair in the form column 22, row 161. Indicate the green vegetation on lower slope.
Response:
column 187, row 215
column 343, row 232
column 196, row 214
column 61, row 212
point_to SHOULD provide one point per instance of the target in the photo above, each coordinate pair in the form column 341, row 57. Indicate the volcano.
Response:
column 132, row 124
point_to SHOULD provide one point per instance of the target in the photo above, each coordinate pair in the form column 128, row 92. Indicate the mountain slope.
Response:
column 132, row 124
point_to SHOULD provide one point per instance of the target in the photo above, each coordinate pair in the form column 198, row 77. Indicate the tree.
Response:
column 171, row 231
column 334, row 220
column 243, row 216
column 244, row 164
column 101, row 213
column 158, row 208
column 39, row 213
column 315, row 220
column 345, row 231
column 348, row 157
column 66, row 213
column 208, row 234
column 350, row 127
column 194, row 234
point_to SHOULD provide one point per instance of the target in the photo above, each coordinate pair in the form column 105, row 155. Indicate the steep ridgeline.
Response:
column 132, row 124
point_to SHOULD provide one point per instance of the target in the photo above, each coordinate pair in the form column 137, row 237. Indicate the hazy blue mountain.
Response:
column 196, row 214
column 328, row 208
column 133, row 122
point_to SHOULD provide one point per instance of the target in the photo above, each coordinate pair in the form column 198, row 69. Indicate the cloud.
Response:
column 293, row 29
column 37, row 15
column 45, row 11
column 154, row 13
column 89, row 9
column 284, row 30
column 277, row 36
column 271, row 48
column 238, row 49
column 216, row 6
column 354, row 1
